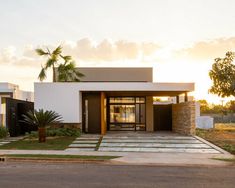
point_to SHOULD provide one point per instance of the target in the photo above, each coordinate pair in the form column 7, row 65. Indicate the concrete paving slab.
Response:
column 164, row 150
column 154, row 145
column 150, row 137
column 150, row 141
column 82, row 145
column 85, row 142
column 5, row 142
column 79, row 149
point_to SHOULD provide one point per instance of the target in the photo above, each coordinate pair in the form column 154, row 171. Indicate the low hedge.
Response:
column 3, row 132
column 58, row 132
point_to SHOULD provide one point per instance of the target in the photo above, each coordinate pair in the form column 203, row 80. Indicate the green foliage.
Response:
column 66, row 70
column 41, row 118
column 230, row 106
column 51, row 132
column 223, row 76
column 207, row 108
column 63, row 132
column 3, row 132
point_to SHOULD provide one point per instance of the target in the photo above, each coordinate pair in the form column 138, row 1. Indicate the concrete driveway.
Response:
column 155, row 142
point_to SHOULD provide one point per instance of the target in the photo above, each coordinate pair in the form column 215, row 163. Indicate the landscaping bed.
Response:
column 52, row 143
column 223, row 135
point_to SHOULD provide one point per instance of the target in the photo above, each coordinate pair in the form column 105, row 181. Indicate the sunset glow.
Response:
column 178, row 38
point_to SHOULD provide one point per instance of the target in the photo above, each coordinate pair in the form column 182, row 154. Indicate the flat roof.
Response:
column 124, row 88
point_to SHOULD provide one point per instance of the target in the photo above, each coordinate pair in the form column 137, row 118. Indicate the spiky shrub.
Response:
column 41, row 119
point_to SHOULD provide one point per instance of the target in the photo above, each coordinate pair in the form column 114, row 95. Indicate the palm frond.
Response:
column 49, row 63
column 42, row 75
column 41, row 118
column 66, row 58
column 57, row 51
column 41, row 52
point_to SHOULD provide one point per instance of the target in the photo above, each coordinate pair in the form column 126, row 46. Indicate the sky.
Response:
column 178, row 38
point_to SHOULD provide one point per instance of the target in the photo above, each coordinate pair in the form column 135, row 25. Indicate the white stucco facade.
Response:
column 66, row 98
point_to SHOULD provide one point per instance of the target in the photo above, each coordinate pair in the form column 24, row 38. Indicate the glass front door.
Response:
column 127, row 113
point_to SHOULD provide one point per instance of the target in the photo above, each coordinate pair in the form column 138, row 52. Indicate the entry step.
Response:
column 84, row 143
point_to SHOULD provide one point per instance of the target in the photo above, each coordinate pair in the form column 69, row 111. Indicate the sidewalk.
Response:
column 135, row 158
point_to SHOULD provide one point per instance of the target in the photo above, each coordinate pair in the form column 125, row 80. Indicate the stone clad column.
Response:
column 183, row 118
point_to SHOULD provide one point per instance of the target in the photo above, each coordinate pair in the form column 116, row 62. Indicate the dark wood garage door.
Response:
column 163, row 117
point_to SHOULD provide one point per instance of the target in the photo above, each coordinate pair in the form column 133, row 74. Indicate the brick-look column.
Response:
column 183, row 118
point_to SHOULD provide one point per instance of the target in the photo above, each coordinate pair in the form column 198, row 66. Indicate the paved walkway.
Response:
column 86, row 142
column 9, row 140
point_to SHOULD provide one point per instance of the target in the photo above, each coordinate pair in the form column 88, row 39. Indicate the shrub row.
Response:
column 58, row 132
column 3, row 132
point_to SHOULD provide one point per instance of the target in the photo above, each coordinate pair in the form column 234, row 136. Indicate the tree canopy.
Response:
column 223, row 76
column 63, row 67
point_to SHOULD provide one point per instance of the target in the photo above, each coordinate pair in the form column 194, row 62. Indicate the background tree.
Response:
column 204, row 106
column 230, row 105
column 223, row 76
column 62, row 71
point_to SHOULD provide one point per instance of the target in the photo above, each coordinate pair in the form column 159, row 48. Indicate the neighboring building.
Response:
column 8, row 90
column 111, row 99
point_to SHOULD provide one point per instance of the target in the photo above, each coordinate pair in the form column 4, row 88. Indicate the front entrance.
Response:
column 126, row 114
column 163, row 117
column 91, row 109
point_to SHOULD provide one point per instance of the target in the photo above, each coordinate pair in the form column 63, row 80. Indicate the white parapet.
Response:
column 204, row 122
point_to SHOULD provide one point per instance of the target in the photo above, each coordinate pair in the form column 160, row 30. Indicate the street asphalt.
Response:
column 58, row 175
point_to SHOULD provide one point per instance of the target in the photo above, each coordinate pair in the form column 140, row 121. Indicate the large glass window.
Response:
column 127, row 113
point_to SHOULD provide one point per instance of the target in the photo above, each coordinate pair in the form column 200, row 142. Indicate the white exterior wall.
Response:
column 61, row 98
column 66, row 99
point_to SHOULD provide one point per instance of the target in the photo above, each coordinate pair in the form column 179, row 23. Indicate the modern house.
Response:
column 8, row 90
column 118, row 99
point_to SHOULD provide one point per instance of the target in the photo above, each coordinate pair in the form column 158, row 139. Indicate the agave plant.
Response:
column 41, row 119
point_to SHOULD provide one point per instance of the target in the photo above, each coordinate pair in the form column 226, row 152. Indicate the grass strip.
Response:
column 232, row 160
column 57, row 143
column 98, row 144
column 79, row 157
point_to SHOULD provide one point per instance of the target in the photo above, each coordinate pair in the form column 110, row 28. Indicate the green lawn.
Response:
column 226, row 160
column 82, row 157
column 52, row 143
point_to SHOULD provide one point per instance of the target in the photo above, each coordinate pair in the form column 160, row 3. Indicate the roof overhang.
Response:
column 130, row 88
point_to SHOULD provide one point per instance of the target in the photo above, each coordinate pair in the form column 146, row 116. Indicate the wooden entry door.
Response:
column 91, row 113
column 163, row 117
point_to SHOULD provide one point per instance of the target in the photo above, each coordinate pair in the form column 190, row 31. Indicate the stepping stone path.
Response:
column 86, row 142
column 154, row 143
column 10, row 139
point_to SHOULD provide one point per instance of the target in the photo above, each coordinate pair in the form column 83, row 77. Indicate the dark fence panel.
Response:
column 14, row 111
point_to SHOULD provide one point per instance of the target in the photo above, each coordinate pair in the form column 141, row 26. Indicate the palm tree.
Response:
column 66, row 71
column 52, row 60
column 41, row 119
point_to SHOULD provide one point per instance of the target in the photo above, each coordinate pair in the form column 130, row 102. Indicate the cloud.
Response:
column 85, row 50
column 88, row 50
column 210, row 49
